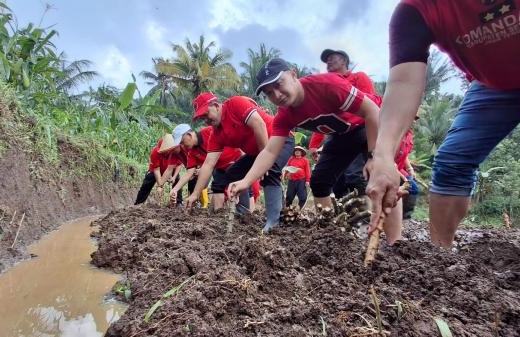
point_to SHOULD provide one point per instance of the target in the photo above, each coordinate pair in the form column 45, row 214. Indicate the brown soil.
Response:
column 303, row 280
column 47, row 197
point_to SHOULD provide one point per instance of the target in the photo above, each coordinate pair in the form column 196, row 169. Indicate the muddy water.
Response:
column 58, row 293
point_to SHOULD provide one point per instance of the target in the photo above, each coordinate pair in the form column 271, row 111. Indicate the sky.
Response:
column 122, row 36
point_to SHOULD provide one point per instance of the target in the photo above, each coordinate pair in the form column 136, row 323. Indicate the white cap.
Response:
column 178, row 132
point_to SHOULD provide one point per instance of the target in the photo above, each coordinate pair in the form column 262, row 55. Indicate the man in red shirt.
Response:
column 338, row 61
column 240, row 123
column 195, row 144
column 299, row 180
column 326, row 103
column 163, row 161
column 482, row 38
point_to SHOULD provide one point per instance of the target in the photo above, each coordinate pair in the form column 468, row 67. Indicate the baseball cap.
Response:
column 178, row 132
column 327, row 52
column 270, row 73
column 201, row 103
column 166, row 144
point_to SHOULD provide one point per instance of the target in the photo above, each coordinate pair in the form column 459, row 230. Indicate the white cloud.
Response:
column 155, row 35
column 114, row 66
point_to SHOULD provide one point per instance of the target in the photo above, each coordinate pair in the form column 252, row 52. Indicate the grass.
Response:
column 49, row 149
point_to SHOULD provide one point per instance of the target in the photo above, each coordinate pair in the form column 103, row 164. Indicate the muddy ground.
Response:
column 304, row 280
column 35, row 199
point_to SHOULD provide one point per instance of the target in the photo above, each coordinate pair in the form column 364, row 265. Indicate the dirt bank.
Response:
column 46, row 198
column 303, row 280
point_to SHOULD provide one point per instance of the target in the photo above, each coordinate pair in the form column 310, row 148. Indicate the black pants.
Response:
column 240, row 168
column 339, row 151
column 147, row 186
column 352, row 178
column 296, row 187
column 191, row 184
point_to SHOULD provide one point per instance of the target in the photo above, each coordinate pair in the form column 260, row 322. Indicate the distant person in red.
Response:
column 326, row 103
column 162, row 164
column 195, row 145
column 482, row 39
column 299, row 180
column 255, row 188
column 338, row 61
column 240, row 122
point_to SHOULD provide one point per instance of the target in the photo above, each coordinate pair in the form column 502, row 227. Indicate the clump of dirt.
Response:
column 304, row 280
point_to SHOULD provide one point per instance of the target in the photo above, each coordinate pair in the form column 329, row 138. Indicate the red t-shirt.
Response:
column 361, row 81
column 328, row 107
column 482, row 40
column 403, row 151
column 233, row 130
column 197, row 155
column 256, row 190
column 304, row 166
column 161, row 160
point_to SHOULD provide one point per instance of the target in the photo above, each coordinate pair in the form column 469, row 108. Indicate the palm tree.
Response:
column 197, row 68
column 434, row 123
column 74, row 73
column 162, row 84
column 256, row 60
column 439, row 70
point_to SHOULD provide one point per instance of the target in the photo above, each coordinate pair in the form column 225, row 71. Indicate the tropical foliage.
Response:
column 125, row 125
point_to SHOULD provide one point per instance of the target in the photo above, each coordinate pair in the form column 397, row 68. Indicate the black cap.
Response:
column 327, row 52
column 270, row 73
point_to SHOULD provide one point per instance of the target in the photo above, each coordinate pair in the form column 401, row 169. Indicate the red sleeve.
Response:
column 241, row 107
column 316, row 140
column 364, row 83
column 342, row 93
column 215, row 143
column 307, row 170
column 155, row 159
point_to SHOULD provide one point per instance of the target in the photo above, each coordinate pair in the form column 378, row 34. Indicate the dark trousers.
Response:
column 147, row 186
column 191, row 184
column 296, row 187
column 339, row 151
column 352, row 178
column 240, row 168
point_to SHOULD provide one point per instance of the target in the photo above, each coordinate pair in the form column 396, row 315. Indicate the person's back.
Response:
column 481, row 37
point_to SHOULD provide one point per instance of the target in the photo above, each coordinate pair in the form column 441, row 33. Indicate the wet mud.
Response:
column 304, row 280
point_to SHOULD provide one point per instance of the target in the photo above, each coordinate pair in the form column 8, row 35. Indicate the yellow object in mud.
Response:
column 204, row 198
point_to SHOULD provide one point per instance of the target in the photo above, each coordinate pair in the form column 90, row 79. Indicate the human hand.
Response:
column 235, row 188
column 307, row 184
column 411, row 171
column 382, row 188
column 173, row 196
column 191, row 201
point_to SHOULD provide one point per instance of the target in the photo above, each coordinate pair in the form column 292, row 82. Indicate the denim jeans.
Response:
column 485, row 117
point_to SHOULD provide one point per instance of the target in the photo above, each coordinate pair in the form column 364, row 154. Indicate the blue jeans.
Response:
column 485, row 117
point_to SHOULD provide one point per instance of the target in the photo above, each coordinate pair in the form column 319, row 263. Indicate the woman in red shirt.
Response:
column 299, row 180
